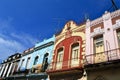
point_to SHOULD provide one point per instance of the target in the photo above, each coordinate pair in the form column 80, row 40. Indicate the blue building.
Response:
column 35, row 61
column 41, row 58
column 25, row 65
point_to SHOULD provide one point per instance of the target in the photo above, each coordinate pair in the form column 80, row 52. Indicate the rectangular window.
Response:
column 60, row 56
column 75, row 54
column 36, row 60
column 118, row 36
column 98, row 44
column 75, row 51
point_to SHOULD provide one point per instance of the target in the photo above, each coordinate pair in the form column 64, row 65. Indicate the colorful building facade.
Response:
column 67, row 62
column 42, row 57
column 34, row 61
column 24, row 65
column 78, row 52
column 102, row 47
column 9, row 66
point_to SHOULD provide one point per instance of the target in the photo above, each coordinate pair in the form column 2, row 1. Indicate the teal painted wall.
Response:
column 40, row 53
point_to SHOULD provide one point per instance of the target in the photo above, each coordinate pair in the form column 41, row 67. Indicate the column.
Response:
column 2, row 70
column 5, row 70
column 9, row 69
column 13, row 68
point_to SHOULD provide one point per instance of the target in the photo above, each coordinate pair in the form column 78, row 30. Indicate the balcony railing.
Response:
column 106, row 56
column 65, row 65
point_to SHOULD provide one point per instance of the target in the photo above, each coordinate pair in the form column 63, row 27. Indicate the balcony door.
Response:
column 99, row 55
column 75, row 55
column 59, row 58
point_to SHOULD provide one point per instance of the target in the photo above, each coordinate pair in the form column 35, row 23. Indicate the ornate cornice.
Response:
column 115, row 14
column 97, row 31
column 96, row 21
column 106, row 17
column 117, row 25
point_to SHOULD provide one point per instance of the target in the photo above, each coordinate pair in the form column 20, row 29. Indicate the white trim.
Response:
column 93, row 34
column 2, row 70
column 9, row 70
column 117, row 25
column 5, row 70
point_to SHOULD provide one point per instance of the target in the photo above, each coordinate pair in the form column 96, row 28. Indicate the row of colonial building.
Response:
column 89, row 51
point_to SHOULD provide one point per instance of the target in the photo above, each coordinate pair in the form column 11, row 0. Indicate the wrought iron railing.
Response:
column 106, row 56
column 64, row 65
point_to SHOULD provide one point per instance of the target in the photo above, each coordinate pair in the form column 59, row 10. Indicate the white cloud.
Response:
column 25, row 38
column 8, row 47
column 11, row 41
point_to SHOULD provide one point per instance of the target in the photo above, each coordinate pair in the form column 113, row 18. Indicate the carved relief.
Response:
column 68, row 31
column 80, row 30
column 96, row 26
column 96, row 21
column 115, row 14
column 106, row 16
column 97, row 31
column 117, row 25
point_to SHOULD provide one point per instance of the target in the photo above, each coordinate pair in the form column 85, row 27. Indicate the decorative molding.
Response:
column 79, row 29
column 97, row 31
column 96, row 21
column 117, row 25
column 59, row 37
column 115, row 14
column 106, row 16
column 68, row 32
column 43, row 46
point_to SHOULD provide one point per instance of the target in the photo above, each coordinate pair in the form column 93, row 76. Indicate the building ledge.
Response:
column 113, row 63
column 65, row 71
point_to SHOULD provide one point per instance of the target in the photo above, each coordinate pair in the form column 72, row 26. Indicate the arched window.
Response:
column 36, row 60
column 45, row 62
column 60, row 55
column 75, row 51
column 22, row 63
column 28, row 62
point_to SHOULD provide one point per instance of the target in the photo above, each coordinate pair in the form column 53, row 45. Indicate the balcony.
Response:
column 36, row 69
column 67, row 66
column 107, row 57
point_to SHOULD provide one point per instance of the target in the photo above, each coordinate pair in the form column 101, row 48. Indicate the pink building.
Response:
column 102, row 47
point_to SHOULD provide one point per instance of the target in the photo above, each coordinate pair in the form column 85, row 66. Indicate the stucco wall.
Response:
column 39, row 53
column 104, row 74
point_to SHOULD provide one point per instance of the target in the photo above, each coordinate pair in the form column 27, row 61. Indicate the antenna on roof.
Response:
column 114, row 6
column 86, row 17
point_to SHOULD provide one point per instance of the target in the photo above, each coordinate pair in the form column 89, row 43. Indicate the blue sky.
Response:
column 25, row 22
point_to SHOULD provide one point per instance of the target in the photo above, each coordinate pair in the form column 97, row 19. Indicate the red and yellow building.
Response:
column 67, row 62
column 103, row 47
